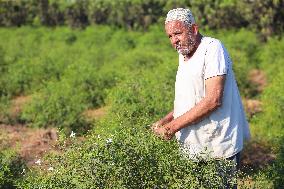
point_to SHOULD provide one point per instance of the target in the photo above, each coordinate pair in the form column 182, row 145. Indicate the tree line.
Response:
column 263, row 16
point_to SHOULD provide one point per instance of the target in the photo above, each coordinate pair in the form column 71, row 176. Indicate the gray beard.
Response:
column 188, row 50
column 191, row 46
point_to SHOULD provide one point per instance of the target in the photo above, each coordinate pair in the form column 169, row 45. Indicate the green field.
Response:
column 67, row 72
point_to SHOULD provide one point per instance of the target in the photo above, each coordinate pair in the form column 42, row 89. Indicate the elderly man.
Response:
column 208, row 116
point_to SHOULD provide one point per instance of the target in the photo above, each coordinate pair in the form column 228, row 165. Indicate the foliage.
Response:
column 11, row 168
column 62, row 102
column 144, row 99
column 270, row 122
column 264, row 17
column 130, row 158
column 277, row 169
column 68, row 71
column 66, row 67
column 243, row 47
column 271, row 58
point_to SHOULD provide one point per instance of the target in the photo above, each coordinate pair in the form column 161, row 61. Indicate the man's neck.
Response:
column 198, row 41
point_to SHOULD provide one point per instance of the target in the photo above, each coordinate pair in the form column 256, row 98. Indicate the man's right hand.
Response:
column 155, row 126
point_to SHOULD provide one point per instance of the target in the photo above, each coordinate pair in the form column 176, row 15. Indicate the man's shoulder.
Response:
column 211, row 41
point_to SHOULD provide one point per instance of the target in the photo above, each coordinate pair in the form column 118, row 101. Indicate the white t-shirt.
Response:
column 221, row 134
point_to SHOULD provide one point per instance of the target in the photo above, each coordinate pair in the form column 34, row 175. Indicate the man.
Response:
column 208, row 116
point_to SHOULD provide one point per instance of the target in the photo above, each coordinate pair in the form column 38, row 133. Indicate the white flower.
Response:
column 38, row 162
column 99, row 136
column 23, row 171
column 72, row 135
column 109, row 140
column 50, row 169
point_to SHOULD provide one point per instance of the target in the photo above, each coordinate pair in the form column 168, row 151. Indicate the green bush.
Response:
column 4, row 109
column 269, row 123
column 59, row 105
column 146, row 98
column 32, row 60
column 130, row 158
column 11, row 168
column 271, row 58
column 277, row 169
column 243, row 47
column 62, row 103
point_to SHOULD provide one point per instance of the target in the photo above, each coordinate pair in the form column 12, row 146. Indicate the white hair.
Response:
column 180, row 14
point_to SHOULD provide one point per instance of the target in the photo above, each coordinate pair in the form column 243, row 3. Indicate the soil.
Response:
column 252, row 106
column 30, row 143
column 258, row 78
column 257, row 155
column 33, row 143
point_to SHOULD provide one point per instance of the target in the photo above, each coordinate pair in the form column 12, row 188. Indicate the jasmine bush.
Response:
column 129, row 158
column 62, row 102
column 11, row 168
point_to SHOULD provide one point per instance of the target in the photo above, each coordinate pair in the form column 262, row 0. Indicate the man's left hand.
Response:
column 163, row 132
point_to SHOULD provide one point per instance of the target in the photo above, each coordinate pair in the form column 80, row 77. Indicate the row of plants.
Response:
column 264, row 16
column 68, row 71
column 270, row 122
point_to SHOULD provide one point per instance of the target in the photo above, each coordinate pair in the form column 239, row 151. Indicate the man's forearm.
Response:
column 167, row 119
column 170, row 125
column 194, row 115
column 212, row 100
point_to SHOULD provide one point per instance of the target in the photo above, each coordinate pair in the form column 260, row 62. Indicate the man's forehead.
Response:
column 175, row 24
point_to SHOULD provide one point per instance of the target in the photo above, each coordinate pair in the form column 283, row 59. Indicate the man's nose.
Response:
column 175, row 40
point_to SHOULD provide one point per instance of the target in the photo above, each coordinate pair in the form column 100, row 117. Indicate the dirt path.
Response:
column 30, row 143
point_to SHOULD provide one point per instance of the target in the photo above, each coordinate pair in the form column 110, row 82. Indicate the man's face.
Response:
column 182, row 37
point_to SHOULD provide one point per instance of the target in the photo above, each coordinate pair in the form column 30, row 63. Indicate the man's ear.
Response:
column 194, row 29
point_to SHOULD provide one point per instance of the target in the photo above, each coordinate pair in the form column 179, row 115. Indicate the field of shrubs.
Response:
column 66, row 72
column 99, row 73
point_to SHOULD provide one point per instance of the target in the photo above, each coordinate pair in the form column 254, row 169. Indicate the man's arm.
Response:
column 167, row 119
column 213, row 99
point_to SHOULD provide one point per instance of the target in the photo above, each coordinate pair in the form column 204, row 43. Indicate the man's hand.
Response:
column 159, row 129
column 155, row 126
column 162, row 132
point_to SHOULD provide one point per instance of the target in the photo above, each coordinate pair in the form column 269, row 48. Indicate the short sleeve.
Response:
column 216, row 62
